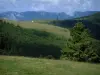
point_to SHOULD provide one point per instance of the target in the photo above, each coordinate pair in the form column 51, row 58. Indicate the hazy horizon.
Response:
column 67, row 6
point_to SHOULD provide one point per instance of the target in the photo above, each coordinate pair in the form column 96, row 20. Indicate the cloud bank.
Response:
column 67, row 6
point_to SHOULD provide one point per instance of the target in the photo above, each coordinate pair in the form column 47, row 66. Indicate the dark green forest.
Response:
column 15, row 40
column 92, row 23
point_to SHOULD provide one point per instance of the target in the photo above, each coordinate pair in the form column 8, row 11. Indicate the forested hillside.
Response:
column 17, row 40
column 91, row 22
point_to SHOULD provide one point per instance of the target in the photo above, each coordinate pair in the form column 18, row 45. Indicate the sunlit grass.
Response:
column 42, row 25
column 10, row 65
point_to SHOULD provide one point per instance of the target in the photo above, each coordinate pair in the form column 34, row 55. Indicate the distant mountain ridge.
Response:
column 42, row 15
column 31, row 15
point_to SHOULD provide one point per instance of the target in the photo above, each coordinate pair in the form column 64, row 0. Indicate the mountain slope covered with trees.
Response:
column 81, row 46
column 91, row 22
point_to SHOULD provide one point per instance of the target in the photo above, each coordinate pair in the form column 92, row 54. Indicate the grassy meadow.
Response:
column 43, row 26
column 10, row 65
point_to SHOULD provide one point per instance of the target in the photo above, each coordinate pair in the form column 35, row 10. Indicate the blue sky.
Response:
column 67, row 6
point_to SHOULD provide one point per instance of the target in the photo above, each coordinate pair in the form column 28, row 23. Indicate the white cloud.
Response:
column 68, row 6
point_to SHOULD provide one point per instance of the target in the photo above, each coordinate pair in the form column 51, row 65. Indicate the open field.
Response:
column 10, row 65
column 42, row 25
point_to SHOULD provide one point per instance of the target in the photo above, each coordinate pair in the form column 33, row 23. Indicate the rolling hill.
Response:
column 95, row 18
column 91, row 22
column 34, row 39
column 43, row 25
column 78, row 14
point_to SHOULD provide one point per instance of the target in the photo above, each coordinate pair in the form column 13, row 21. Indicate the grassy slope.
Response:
column 42, row 25
column 32, row 66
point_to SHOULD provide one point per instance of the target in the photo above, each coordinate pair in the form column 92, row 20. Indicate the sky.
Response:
column 67, row 6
